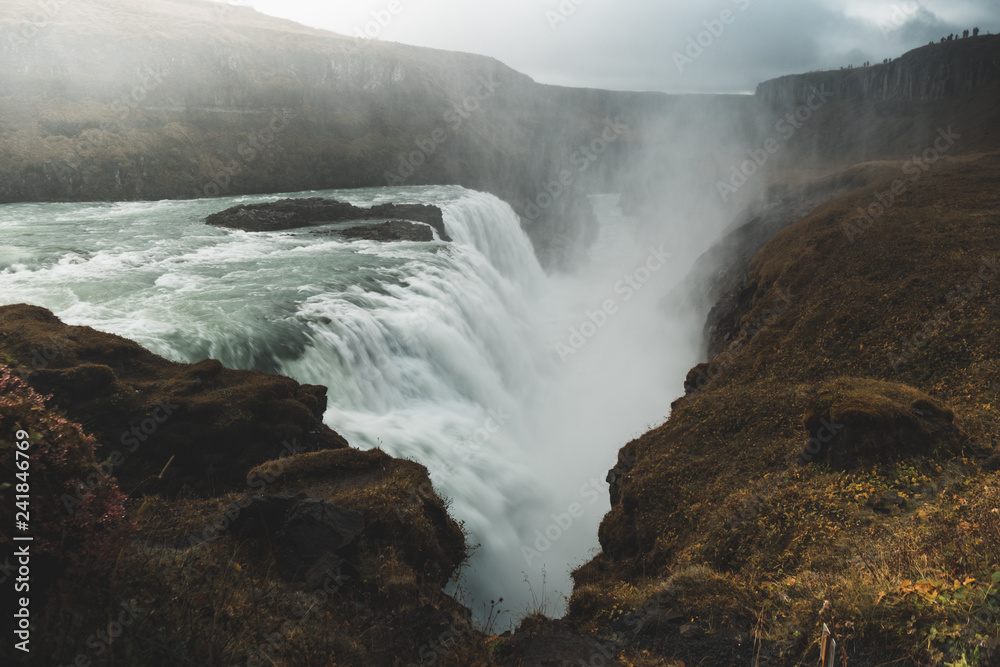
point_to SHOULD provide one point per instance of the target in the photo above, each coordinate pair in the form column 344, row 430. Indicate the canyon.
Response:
column 831, row 459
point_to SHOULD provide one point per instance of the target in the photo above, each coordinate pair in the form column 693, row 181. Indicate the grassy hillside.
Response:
column 830, row 465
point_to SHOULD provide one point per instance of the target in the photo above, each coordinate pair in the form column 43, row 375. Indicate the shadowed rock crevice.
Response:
column 308, row 536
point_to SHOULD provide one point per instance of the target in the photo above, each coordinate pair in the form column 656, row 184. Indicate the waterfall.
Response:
column 443, row 353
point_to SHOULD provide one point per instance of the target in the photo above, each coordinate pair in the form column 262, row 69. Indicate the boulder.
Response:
column 850, row 420
column 262, row 517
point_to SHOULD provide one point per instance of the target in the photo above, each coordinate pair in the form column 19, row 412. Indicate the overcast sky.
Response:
column 653, row 44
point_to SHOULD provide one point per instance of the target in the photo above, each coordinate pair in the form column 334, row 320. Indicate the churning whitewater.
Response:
column 514, row 388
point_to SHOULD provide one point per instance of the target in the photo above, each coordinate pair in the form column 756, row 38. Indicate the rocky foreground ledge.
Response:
column 401, row 220
column 212, row 516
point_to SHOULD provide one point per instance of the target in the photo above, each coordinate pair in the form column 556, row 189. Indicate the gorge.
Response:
column 595, row 386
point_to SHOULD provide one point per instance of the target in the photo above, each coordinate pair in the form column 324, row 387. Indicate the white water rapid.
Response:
column 513, row 387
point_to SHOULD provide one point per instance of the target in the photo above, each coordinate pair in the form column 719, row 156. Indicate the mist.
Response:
column 588, row 183
column 599, row 330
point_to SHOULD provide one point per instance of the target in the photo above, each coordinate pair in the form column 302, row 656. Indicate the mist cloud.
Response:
column 631, row 44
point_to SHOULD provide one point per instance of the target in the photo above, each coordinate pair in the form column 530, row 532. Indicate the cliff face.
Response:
column 820, row 122
column 838, row 446
column 846, row 417
column 930, row 73
column 118, row 100
column 888, row 111
column 866, row 115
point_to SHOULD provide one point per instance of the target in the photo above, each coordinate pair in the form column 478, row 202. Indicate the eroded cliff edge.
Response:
column 834, row 462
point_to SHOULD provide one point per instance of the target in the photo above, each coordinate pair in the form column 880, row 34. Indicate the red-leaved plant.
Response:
column 77, row 514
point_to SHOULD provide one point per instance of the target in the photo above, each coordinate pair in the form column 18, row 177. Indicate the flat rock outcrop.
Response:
column 393, row 230
column 315, row 211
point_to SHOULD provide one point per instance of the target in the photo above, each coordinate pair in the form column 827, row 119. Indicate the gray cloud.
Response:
column 631, row 44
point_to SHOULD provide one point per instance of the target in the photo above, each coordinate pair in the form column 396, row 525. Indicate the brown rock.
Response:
column 163, row 425
column 852, row 419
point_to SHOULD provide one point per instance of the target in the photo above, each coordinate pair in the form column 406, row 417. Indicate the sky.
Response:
column 712, row 46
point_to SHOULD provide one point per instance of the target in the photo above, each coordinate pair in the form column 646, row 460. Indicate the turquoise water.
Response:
column 446, row 353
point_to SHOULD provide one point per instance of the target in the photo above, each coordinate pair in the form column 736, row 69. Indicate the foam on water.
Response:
column 438, row 352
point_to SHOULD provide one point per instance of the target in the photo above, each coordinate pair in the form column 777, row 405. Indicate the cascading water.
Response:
column 464, row 356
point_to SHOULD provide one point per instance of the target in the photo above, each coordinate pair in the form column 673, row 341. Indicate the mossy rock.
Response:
column 406, row 521
column 852, row 420
column 323, row 467
column 164, row 426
